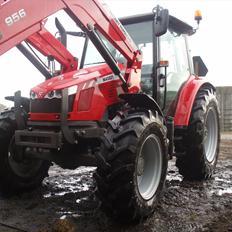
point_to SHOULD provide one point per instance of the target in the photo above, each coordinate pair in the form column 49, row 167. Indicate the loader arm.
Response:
column 22, row 20
column 48, row 45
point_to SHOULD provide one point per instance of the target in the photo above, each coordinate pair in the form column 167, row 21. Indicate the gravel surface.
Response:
column 65, row 203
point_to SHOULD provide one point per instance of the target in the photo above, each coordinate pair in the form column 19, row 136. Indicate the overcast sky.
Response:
column 212, row 42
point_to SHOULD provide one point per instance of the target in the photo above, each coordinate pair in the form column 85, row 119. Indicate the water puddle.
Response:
column 65, row 182
column 221, row 192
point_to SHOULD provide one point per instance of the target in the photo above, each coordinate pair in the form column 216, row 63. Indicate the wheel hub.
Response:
column 140, row 166
column 205, row 133
column 149, row 167
column 211, row 135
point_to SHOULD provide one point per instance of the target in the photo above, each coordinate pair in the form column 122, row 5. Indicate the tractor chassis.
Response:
column 41, row 143
column 51, row 140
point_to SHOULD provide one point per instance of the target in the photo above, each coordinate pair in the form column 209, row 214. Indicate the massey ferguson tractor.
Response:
column 132, row 101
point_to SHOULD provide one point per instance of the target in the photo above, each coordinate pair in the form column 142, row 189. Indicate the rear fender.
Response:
column 186, row 99
column 141, row 100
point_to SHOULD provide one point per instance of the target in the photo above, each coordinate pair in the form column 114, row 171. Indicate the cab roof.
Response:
column 175, row 24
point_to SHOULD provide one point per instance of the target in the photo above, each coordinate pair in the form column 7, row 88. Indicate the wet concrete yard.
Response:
column 65, row 203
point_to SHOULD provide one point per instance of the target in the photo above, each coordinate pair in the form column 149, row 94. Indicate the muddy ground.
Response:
column 63, row 203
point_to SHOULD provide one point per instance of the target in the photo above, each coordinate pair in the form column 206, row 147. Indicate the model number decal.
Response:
column 107, row 79
column 15, row 17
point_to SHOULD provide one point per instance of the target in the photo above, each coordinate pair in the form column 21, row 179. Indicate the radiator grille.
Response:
column 49, row 105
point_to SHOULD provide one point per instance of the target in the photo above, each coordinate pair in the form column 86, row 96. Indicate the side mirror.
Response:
column 161, row 21
column 200, row 68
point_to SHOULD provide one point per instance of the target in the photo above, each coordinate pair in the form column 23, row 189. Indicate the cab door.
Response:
column 174, row 50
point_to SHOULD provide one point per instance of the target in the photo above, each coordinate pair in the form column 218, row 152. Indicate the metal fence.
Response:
column 224, row 96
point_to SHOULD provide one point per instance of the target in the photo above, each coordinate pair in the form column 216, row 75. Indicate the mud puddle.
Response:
column 65, row 203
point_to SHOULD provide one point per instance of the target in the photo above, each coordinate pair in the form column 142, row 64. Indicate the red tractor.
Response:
column 132, row 100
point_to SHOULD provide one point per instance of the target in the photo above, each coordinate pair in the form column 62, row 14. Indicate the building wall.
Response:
column 2, row 107
column 224, row 96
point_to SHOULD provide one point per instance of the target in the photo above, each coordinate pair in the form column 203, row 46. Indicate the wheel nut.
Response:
column 140, row 166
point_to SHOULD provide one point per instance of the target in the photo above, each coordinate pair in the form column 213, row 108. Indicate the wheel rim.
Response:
column 149, row 167
column 211, row 135
column 24, row 167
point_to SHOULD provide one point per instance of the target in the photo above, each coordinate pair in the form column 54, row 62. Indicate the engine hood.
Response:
column 71, row 79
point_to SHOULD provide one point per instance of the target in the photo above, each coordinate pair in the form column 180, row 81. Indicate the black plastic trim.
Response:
column 141, row 100
column 57, row 124
column 20, row 120
column 39, row 139
column 68, row 134
column 175, row 24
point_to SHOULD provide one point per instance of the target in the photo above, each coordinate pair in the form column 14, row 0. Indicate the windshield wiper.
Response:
column 100, row 62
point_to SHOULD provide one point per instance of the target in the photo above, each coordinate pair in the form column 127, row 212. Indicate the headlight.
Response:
column 33, row 95
column 53, row 94
column 58, row 93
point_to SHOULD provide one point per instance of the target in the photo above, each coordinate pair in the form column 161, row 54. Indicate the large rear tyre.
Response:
column 201, row 142
column 17, row 173
column 131, row 187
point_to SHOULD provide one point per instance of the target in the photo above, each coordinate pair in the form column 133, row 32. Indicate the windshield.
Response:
column 94, row 57
column 141, row 33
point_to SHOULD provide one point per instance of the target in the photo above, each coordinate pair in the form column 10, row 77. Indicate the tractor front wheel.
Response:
column 131, row 187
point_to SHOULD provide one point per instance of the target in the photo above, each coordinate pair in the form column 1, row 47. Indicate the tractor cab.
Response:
column 167, row 63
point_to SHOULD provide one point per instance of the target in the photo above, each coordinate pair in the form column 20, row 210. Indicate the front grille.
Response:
column 45, row 105
column 50, row 105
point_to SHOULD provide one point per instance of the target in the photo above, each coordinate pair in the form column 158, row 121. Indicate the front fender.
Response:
column 186, row 99
column 141, row 100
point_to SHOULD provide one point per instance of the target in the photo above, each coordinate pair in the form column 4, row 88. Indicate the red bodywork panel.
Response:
column 104, row 86
column 186, row 100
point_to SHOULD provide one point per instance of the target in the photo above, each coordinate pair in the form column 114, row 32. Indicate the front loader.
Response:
column 134, row 99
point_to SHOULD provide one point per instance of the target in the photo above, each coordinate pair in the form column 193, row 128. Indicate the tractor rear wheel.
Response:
column 131, row 187
column 17, row 173
column 201, row 142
